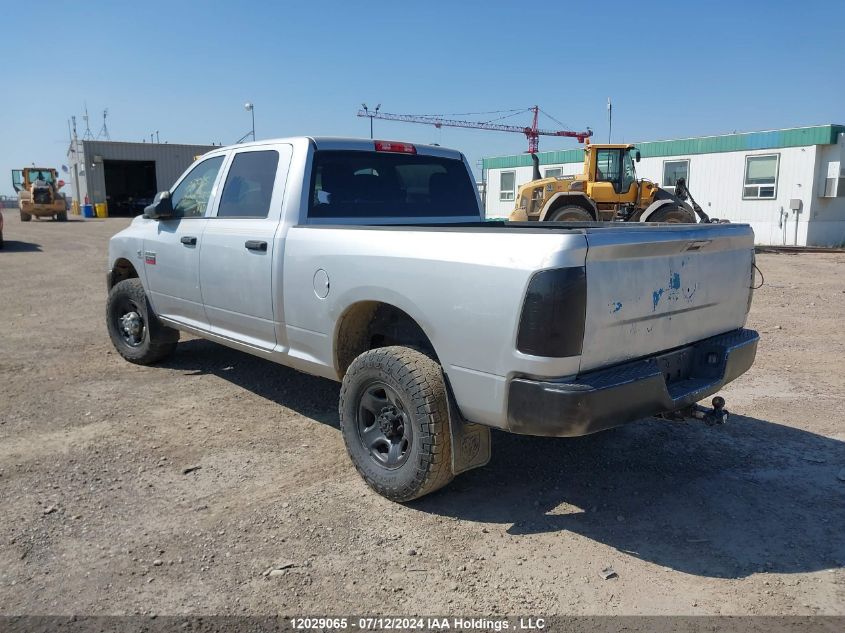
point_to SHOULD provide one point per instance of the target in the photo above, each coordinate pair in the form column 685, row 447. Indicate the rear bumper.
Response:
column 606, row 398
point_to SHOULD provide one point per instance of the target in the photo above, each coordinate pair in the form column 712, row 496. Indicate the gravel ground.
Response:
column 100, row 517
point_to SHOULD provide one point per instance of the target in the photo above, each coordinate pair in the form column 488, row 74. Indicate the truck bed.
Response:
column 649, row 289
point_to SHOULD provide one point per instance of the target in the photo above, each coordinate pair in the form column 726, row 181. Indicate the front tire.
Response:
column 61, row 216
column 674, row 214
column 134, row 329
column 394, row 417
column 570, row 213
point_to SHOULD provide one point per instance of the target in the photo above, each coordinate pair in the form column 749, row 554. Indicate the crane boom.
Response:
column 532, row 133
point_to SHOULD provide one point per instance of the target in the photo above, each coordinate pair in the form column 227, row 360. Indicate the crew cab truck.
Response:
column 368, row 262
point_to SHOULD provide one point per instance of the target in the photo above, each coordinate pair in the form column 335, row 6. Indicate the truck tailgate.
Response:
column 654, row 288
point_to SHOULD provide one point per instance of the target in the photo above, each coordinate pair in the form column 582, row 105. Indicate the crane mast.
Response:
column 532, row 132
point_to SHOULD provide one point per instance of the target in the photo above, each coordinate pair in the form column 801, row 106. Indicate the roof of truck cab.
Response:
column 350, row 143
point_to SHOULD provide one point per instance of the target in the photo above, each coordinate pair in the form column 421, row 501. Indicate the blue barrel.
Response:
column 88, row 210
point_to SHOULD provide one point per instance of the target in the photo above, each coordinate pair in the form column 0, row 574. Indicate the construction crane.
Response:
column 532, row 133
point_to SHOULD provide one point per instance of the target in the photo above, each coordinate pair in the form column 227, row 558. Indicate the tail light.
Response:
column 391, row 146
column 553, row 315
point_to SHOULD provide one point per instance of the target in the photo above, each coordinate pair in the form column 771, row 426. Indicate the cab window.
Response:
column 629, row 172
column 608, row 167
column 616, row 166
column 249, row 185
column 190, row 198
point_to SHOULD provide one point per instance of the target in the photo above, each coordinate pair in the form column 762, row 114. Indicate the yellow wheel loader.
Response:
column 607, row 190
column 38, row 193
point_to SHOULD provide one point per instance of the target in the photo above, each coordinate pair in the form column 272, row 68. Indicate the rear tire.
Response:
column 134, row 329
column 394, row 417
column 570, row 213
column 673, row 214
column 1, row 240
column 62, row 216
column 25, row 217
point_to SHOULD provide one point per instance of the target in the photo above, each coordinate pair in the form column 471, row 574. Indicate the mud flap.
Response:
column 470, row 441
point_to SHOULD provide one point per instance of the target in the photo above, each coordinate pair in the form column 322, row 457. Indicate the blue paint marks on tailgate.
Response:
column 671, row 292
column 675, row 281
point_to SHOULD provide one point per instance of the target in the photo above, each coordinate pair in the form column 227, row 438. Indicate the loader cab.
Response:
column 23, row 179
column 611, row 172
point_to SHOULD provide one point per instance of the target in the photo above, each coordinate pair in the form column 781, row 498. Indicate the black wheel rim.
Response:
column 129, row 322
column 384, row 425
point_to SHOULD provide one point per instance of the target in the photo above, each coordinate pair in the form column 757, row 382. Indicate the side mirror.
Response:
column 161, row 207
column 637, row 156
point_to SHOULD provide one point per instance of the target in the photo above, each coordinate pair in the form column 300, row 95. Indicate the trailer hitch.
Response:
column 716, row 416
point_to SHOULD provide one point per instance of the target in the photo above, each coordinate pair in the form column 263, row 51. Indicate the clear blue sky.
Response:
column 673, row 69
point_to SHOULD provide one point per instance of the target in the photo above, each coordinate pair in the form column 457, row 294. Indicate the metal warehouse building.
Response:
column 126, row 176
column 789, row 185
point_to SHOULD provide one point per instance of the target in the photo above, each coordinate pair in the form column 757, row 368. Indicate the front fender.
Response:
column 654, row 206
column 658, row 204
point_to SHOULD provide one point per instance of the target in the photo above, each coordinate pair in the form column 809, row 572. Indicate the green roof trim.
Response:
column 746, row 141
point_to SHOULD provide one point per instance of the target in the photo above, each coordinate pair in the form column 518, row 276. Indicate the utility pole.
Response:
column 609, row 119
column 76, row 159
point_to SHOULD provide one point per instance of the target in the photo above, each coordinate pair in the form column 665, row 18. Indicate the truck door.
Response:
column 171, row 253
column 240, row 246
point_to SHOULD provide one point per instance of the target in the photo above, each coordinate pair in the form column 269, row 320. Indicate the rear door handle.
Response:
column 188, row 240
column 256, row 245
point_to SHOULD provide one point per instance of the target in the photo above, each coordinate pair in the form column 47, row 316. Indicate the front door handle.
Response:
column 188, row 240
column 256, row 245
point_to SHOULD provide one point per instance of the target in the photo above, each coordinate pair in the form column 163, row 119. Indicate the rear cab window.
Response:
column 349, row 184
column 249, row 185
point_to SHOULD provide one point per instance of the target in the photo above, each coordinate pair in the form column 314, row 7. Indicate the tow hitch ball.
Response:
column 711, row 417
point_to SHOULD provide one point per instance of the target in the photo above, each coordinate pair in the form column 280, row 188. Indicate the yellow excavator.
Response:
column 38, row 193
column 607, row 190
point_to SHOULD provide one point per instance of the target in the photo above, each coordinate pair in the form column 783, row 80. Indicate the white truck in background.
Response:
column 368, row 262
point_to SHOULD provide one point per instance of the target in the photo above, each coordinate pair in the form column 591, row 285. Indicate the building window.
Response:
column 761, row 177
column 673, row 170
column 507, row 186
column 553, row 172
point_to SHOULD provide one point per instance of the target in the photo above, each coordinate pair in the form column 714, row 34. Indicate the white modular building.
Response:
column 789, row 184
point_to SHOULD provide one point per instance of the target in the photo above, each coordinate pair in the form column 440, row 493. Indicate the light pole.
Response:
column 250, row 107
column 371, row 116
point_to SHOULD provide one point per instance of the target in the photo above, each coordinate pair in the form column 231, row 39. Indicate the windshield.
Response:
column 355, row 184
column 40, row 174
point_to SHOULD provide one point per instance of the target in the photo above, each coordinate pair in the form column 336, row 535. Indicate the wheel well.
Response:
column 122, row 269
column 371, row 324
column 570, row 201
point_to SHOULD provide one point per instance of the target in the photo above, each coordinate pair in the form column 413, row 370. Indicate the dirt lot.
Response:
column 98, row 517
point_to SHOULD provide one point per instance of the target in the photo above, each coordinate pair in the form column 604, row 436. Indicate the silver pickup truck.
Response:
column 368, row 262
